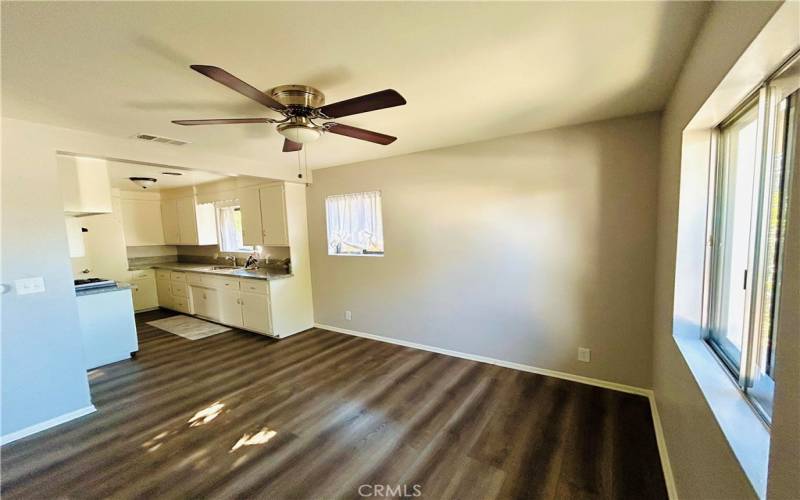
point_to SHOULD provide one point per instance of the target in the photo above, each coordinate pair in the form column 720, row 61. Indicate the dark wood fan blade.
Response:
column 360, row 133
column 289, row 146
column 378, row 100
column 221, row 76
column 221, row 121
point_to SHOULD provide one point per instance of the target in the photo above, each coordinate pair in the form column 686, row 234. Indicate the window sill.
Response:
column 355, row 255
column 745, row 432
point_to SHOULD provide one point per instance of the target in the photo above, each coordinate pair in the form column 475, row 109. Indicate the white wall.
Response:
column 42, row 362
column 702, row 461
column 520, row 249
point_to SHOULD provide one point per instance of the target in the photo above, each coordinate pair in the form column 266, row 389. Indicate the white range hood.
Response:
column 85, row 185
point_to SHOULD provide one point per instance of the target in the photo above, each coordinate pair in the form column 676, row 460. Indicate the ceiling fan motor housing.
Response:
column 297, row 95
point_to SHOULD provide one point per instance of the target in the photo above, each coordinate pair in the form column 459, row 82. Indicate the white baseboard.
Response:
column 648, row 393
column 669, row 479
column 33, row 429
column 499, row 362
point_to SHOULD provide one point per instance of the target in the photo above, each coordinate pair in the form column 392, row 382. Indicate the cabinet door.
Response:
column 273, row 215
column 199, row 297
column 141, row 222
column 255, row 312
column 250, row 207
column 75, row 237
column 169, row 219
column 205, row 302
column 164, row 293
column 230, row 311
column 206, row 217
column 187, row 221
column 144, row 294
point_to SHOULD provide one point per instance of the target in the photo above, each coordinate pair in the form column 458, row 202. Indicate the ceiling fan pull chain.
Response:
column 299, row 166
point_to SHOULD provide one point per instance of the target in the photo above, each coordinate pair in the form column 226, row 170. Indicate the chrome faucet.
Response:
column 232, row 259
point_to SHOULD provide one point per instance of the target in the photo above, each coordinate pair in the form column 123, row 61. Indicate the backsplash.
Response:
column 280, row 265
column 273, row 258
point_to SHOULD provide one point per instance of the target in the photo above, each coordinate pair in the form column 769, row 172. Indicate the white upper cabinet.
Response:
column 187, row 223
column 250, row 207
column 84, row 185
column 77, row 247
column 169, row 221
column 273, row 215
column 141, row 218
column 264, row 215
column 206, row 216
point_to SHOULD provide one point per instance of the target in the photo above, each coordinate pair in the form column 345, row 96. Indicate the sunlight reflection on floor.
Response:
column 206, row 415
column 259, row 437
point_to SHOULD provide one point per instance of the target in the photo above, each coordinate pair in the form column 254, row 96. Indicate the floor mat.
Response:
column 188, row 327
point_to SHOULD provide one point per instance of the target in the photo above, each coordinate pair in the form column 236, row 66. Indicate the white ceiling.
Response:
column 119, row 174
column 469, row 71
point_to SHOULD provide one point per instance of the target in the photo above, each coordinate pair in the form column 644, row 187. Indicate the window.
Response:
column 355, row 225
column 749, row 219
column 229, row 225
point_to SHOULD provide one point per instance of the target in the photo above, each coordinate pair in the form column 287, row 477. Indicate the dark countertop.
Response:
column 106, row 289
column 257, row 274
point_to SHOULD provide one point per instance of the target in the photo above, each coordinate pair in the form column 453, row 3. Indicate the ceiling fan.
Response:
column 300, row 105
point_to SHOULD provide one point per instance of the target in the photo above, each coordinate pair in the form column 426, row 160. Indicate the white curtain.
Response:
column 355, row 223
column 230, row 237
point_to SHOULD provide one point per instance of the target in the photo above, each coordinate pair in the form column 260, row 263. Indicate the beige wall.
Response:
column 520, row 249
column 702, row 461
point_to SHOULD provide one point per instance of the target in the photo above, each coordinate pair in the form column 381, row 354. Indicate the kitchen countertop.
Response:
column 106, row 289
column 258, row 274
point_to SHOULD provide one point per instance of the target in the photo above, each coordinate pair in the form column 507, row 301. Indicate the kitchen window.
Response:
column 355, row 224
column 229, row 227
column 750, row 197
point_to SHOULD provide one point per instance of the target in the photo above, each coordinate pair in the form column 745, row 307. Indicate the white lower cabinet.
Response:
column 255, row 312
column 144, row 290
column 230, row 310
column 164, row 293
column 205, row 302
column 239, row 303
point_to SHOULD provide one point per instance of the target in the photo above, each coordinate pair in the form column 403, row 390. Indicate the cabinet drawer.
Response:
column 178, row 276
column 255, row 286
column 181, row 304
column 162, row 274
column 202, row 279
column 142, row 274
column 180, row 289
column 227, row 283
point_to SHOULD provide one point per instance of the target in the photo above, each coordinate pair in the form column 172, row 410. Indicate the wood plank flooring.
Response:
column 320, row 414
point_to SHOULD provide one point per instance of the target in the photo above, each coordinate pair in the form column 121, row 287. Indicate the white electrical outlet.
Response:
column 29, row 285
column 584, row 354
column 348, row 315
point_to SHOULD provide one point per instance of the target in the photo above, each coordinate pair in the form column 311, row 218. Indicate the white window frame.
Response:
column 766, row 98
column 377, row 217
column 222, row 206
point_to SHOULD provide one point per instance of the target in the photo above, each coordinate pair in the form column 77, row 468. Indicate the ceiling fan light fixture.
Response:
column 143, row 182
column 299, row 132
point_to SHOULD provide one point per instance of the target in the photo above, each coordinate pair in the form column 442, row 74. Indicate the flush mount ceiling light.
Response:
column 300, row 130
column 300, row 105
column 143, row 182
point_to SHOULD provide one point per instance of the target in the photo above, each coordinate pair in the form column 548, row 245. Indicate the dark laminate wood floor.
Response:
column 318, row 414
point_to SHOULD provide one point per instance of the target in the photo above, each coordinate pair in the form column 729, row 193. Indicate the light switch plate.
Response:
column 27, row 286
